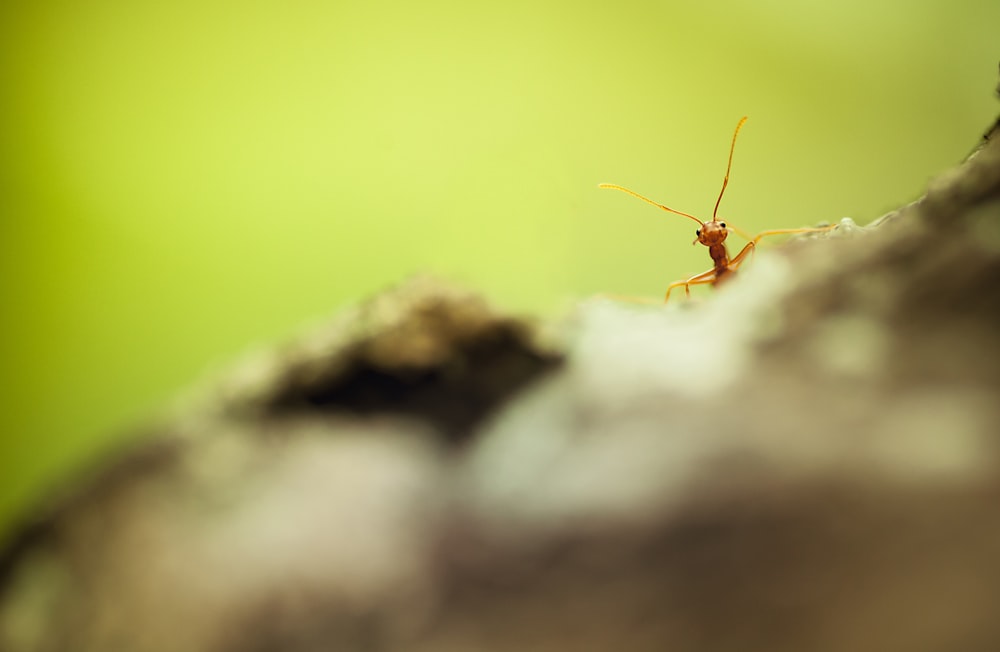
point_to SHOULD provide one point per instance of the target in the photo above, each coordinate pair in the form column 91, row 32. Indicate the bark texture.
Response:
column 809, row 460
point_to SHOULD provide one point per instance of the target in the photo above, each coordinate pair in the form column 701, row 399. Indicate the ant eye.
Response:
column 723, row 225
column 698, row 233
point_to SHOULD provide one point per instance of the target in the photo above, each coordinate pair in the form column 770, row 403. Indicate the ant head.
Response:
column 712, row 233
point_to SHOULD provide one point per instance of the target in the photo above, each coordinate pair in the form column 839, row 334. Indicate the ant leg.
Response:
column 752, row 245
column 817, row 229
column 697, row 279
column 738, row 259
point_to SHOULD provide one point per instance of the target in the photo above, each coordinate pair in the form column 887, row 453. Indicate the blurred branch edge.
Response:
column 796, row 463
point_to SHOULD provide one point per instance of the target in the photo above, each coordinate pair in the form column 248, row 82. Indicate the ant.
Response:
column 713, row 234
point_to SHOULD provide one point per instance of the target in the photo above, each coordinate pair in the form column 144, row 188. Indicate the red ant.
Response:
column 713, row 234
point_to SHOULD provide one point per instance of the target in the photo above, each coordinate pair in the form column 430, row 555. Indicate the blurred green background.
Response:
column 180, row 181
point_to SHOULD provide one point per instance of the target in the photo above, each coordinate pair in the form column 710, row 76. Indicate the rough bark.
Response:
column 808, row 460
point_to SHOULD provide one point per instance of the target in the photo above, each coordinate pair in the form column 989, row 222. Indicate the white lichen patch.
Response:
column 846, row 228
column 545, row 465
column 851, row 346
column 672, row 350
column 329, row 511
column 939, row 436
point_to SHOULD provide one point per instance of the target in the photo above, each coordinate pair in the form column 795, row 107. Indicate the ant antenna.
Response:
column 650, row 201
column 725, row 181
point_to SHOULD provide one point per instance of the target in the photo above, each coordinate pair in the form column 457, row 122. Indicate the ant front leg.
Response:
column 748, row 249
column 752, row 245
column 814, row 229
column 697, row 279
